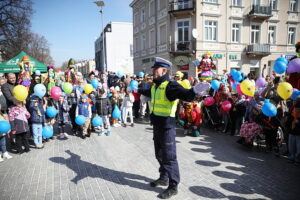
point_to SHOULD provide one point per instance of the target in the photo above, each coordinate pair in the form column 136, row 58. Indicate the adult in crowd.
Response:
column 164, row 95
column 2, row 97
column 7, row 89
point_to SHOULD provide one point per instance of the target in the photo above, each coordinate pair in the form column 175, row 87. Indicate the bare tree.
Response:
column 14, row 26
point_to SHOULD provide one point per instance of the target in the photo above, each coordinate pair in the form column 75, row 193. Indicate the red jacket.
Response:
column 193, row 116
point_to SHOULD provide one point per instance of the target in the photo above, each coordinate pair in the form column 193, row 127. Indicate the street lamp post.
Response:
column 101, row 5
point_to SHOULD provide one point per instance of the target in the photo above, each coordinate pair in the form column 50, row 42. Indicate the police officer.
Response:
column 164, row 95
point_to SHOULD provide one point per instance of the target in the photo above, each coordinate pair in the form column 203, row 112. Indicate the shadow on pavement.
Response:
column 207, row 163
column 201, row 150
column 84, row 169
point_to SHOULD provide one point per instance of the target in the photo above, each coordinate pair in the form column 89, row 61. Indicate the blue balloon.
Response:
column 80, row 120
column 237, row 76
column 233, row 71
column 4, row 126
column 215, row 84
column 39, row 90
column 51, row 112
column 47, row 132
column 134, row 84
column 116, row 113
column 141, row 74
column 279, row 67
column 109, row 95
column 120, row 74
column 97, row 121
column 282, row 59
column 269, row 109
column 95, row 83
column 295, row 94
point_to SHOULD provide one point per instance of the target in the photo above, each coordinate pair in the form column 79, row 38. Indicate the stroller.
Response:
column 211, row 116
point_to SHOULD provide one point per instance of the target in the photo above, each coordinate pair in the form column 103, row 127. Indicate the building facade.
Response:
column 242, row 34
column 118, row 48
column 85, row 67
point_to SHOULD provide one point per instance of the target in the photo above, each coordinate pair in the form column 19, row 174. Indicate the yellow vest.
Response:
column 160, row 105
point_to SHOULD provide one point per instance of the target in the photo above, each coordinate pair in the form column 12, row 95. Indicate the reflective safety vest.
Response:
column 160, row 105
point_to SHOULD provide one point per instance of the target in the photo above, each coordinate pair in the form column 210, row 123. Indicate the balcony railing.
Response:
column 181, row 5
column 258, row 49
column 182, row 46
column 263, row 12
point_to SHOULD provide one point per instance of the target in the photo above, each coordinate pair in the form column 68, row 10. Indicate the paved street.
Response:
column 120, row 166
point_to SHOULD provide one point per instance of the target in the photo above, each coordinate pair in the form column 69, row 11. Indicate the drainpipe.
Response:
column 226, row 47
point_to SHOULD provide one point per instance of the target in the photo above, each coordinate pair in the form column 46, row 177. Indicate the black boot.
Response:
column 168, row 193
column 159, row 182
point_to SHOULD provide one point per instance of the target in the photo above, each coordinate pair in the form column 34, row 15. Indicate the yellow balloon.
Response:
column 88, row 88
column 285, row 90
column 20, row 92
column 186, row 84
column 248, row 88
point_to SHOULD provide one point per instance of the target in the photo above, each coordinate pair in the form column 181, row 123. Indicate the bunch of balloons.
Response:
column 236, row 75
column 280, row 65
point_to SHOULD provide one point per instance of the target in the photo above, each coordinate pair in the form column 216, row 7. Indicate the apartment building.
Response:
column 242, row 34
column 117, row 50
column 85, row 67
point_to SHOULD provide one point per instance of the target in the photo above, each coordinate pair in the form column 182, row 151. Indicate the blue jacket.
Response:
column 37, row 113
column 83, row 109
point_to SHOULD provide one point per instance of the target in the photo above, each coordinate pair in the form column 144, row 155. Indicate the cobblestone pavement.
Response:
column 120, row 166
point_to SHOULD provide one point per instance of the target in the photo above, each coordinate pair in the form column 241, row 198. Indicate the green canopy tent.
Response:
column 12, row 66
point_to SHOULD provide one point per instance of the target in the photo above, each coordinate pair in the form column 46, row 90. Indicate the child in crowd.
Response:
column 103, row 107
column 127, row 107
column 114, row 102
column 5, row 154
column 37, row 119
column 18, row 116
column 294, row 136
column 49, row 121
column 84, row 108
column 62, row 116
column 191, row 118
column 237, row 113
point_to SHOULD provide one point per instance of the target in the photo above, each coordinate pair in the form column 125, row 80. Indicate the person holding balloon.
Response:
column 104, row 110
column 237, row 113
column 37, row 119
column 62, row 116
column 294, row 135
column 18, row 118
column 127, row 107
column 84, row 108
column 4, row 130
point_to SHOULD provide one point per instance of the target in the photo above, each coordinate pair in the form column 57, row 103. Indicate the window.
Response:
column 183, row 4
column 143, row 18
column 136, row 42
column 136, row 18
column 151, row 8
column 162, row 4
column 237, row 2
column 131, row 50
column 183, row 31
column 151, row 38
column 210, row 28
column 272, row 35
column 293, row 5
column 236, row 33
column 162, row 34
column 256, row 2
column 291, row 35
column 211, row 1
column 255, row 31
column 143, row 42
column 273, row 4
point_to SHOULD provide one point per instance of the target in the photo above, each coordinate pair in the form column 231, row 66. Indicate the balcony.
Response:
column 182, row 7
column 260, row 12
column 258, row 50
column 183, row 47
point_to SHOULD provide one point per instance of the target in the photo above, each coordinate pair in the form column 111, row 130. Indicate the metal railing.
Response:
column 181, row 5
column 182, row 46
column 261, row 10
column 260, row 49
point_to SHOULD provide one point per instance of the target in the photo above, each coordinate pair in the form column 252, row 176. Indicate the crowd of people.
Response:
column 224, row 108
